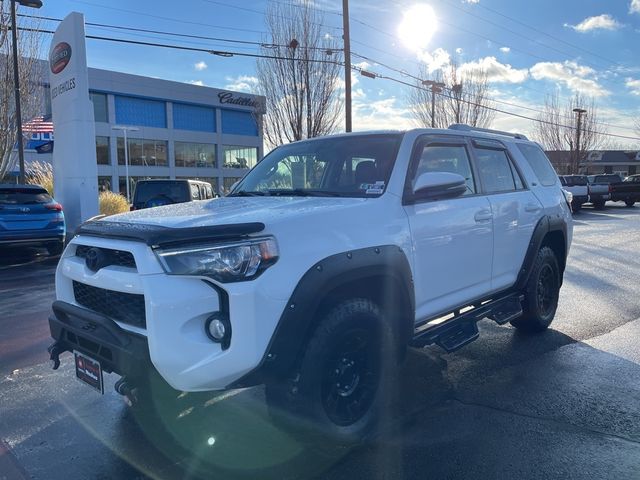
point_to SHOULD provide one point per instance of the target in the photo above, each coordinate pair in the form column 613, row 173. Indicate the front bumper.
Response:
column 99, row 337
column 176, row 309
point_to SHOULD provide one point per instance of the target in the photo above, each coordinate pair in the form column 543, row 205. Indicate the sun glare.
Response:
column 418, row 25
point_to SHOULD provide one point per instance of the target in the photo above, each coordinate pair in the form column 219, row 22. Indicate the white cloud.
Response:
column 200, row 66
column 572, row 75
column 459, row 51
column 505, row 49
column 496, row 72
column 437, row 60
column 634, row 7
column 200, row 83
column 633, row 85
column 380, row 115
column 599, row 22
column 242, row 83
column 470, row 1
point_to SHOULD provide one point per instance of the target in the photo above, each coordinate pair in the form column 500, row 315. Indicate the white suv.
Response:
column 326, row 262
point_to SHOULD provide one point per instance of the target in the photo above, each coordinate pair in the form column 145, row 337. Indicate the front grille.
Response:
column 120, row 306
column 115, row 257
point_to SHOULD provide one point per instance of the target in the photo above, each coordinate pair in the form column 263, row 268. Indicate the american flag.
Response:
column 38, row 125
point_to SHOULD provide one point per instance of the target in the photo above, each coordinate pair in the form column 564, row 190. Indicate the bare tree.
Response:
column 30, row 76
column 301, row 86
column 557, row 128
column 464, row 99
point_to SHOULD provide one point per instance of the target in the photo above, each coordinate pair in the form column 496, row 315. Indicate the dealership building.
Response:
column 173, row 130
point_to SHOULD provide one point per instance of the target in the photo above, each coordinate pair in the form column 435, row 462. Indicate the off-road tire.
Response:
column 351, row 357
column 541, row 293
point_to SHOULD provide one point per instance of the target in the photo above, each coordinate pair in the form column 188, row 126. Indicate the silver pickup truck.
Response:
column 599, row 192
column 578, row 185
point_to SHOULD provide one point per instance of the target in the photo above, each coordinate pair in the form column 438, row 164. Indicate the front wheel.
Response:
column 341, row 388
column 541, row 293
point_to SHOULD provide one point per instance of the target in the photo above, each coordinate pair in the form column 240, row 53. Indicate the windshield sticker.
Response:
column 373, row 188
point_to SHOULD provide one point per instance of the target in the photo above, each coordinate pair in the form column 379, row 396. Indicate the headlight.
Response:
column 225, row 262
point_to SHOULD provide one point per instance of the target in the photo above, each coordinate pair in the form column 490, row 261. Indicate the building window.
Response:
column 144, row 152
column 236, row 122
column 195, row 154
column 239, row 157
column 212, row 181
column 228, row 183
column 100, row 109
column 194, row 117
column 102, row 150
column 104, row 184
column 140, row 111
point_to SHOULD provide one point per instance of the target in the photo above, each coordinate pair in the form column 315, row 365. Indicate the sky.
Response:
column 529, row 49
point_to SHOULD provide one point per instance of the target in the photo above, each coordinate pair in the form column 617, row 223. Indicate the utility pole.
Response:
column 580, row 112
column 347, row 65
column 436, row 87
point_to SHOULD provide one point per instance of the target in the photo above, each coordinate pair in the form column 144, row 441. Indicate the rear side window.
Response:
column 539, row 164
column 496, row 171
column 24, row 196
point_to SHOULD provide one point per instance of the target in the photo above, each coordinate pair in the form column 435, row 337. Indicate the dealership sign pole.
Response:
column 75, row 170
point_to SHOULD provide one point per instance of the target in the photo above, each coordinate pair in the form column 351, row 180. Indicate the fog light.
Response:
column 216, row 329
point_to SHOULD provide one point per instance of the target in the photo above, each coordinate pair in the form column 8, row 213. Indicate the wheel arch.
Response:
column 381, row 274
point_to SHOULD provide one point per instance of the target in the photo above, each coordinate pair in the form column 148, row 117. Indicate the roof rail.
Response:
column 469, row 128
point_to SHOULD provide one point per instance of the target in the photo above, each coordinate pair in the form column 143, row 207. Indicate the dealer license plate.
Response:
column 89, row 371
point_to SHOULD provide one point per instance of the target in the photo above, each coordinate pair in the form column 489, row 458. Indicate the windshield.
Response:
column 24, row 196
column 353, row 166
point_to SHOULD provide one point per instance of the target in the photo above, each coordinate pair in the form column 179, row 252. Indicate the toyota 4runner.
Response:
column 327, row 261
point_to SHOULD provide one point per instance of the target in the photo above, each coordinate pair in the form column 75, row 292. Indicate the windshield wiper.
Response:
column 302, row 192
column 247, row 193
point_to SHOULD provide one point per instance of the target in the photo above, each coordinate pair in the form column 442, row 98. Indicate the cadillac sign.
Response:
column 60, row 57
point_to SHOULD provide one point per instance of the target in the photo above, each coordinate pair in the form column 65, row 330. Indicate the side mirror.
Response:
column 439, row 185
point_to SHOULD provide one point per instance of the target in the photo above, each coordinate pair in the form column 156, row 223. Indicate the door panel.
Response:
column 452, row 252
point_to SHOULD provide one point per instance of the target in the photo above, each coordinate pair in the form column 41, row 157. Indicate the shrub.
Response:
column 41, row 173
column 112, row 203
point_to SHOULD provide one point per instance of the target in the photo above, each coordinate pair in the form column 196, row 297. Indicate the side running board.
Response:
column 462, row 328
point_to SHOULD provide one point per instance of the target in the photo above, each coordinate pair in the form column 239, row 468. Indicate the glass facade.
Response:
column 195, row 154
column 236, row 122
column 143, row 152
column 102, row 150
column 100, row 108
column 140, row 111
column 194, row 117
column 104, row 183
column 239, row 157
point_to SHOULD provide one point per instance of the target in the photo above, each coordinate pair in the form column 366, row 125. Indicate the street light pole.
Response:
column 126, row 154
column 580, row 112
column 346, row 39
column 16, row 78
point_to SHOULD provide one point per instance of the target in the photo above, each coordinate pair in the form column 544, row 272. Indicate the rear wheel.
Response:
column 341, row 387
column 541, row 293
column 599, row 205
column 629, row 203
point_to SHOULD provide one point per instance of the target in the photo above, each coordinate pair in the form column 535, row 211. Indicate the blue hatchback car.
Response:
column 30, row 217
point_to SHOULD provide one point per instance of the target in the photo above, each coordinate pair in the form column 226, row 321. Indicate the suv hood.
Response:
column 235, row 210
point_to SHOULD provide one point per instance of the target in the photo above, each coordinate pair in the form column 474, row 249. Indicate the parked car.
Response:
column 578, row 185
column 30, row 217
column 314, row 275
column 156, row 193
column 599, row 192
column 627, row 190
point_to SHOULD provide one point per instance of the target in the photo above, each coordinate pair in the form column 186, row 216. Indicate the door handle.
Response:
column 532, row 207
column 483, row 215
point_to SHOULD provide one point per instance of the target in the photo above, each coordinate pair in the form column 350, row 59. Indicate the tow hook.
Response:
column 128, row 391
column 54, row 354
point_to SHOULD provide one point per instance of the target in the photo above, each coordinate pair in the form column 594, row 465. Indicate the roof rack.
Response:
column 469, row 128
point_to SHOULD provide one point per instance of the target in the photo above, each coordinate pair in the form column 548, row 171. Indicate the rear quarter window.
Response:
column 539, row 163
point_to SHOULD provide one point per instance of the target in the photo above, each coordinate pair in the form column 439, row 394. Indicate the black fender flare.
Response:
column 544, row 226
column 323, row 279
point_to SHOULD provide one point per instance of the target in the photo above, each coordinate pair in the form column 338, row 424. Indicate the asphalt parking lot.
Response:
column 563, row 404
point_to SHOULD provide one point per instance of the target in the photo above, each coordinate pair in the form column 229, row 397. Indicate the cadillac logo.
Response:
column 59, row 57
column 95, row 259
